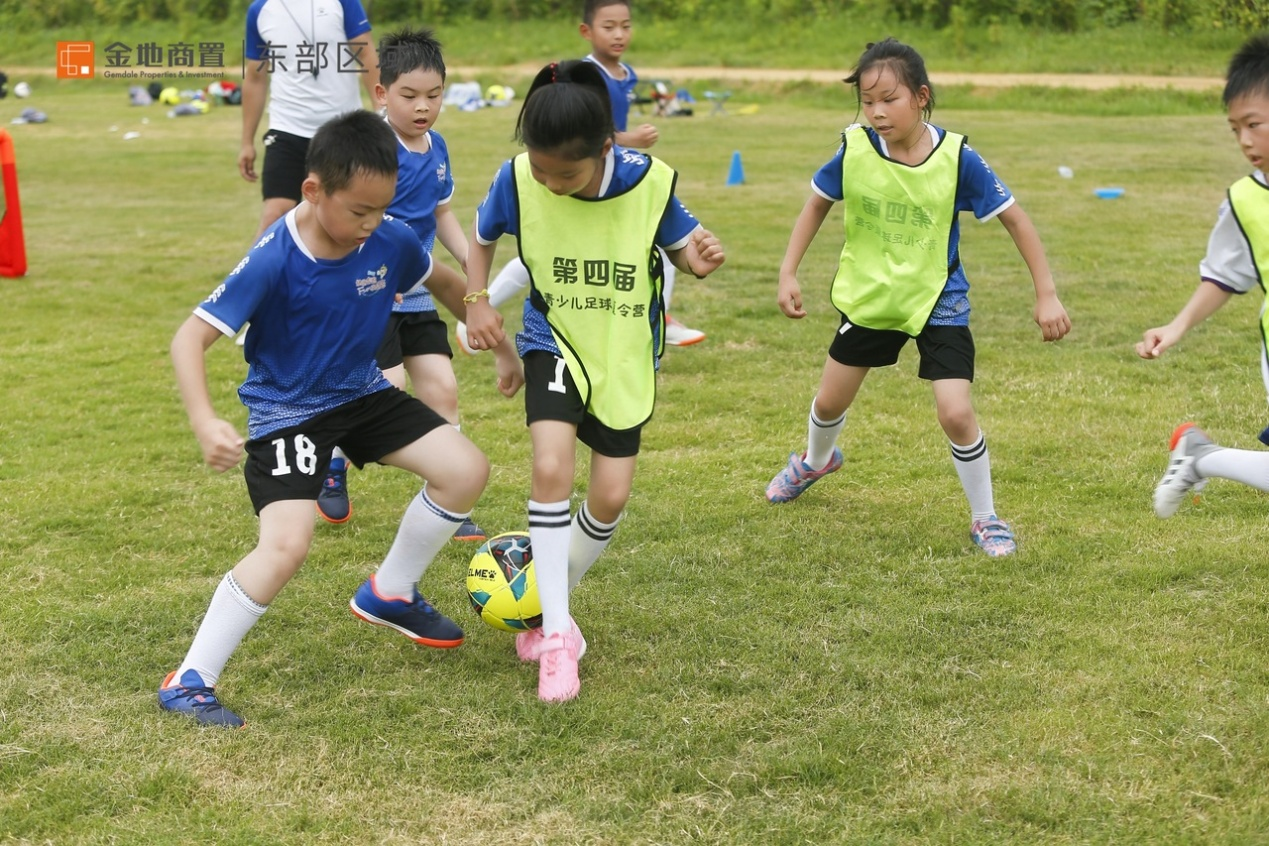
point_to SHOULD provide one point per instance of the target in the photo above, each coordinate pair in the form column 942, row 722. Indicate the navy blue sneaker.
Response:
column 192, row 696
column 469, row 531
column 416, row 619
column 332, row 502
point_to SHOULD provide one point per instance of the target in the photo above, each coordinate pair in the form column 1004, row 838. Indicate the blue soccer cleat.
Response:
column 192, row 696
column 416, row 619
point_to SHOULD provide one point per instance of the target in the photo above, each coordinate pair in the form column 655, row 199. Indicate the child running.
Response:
column 318, row 289
column 411, row 83
column 1237, row 261
column 588, row 216
column 904, row 181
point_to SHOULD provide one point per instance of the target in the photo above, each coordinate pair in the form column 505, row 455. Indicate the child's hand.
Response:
column 484, row 325
column 704, row 252
column 221, row 443
column 789, row 297
column 1154, row 341
column 1052, row 319
column 510, row 370
column 642, row 136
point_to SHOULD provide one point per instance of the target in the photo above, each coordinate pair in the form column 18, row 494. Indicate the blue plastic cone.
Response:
column 736, row 176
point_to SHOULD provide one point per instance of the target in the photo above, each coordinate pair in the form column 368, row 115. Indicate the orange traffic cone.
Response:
column 12, row 247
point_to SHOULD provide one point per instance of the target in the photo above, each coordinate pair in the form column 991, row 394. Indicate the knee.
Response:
column 959, row 423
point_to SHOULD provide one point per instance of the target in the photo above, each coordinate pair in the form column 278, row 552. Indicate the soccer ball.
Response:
column 502, row 585
column 22, row 89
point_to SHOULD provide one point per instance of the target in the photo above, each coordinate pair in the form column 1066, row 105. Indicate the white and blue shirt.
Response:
column 620, row 91
column 978, row 190
column 298, row 36
column 499, row 215
column 315, row 323
column 424, row 181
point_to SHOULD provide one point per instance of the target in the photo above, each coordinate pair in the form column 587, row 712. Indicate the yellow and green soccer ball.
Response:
column 502, row 585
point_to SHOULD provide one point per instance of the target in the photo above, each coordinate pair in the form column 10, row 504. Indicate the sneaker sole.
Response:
column 684, row 343
column 322, row 514
column 425, row 641
column 481, row 538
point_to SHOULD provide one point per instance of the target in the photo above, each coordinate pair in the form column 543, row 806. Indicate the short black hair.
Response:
column 357, row 142
column 592, row 6
column 406, row 50
column 567, row 111
column 1248, row 70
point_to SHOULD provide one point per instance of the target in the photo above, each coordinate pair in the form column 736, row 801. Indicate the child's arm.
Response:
column 450, row 233
column 1049, row 313
column 484, row 323
column 1204, row 302
column 789, row 295
column 701, row 255
column 507, row 364
column 641, row 137
column 220, row 441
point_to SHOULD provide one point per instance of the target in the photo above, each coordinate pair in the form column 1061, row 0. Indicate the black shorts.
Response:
column 947, row 352
column 551, row 394
column 413, row 333
column 291, row 463
column 283, row 172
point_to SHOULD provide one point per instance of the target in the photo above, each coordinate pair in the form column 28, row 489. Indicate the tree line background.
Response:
column 1055, row 15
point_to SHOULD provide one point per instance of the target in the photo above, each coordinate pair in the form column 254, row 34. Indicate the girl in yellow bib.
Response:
column 903, row 182
column 588, row 216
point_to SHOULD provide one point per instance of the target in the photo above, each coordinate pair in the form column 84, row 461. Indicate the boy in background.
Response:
column 1237, row 260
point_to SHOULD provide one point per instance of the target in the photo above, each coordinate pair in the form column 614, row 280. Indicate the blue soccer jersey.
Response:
column 315, row 323
column 499, row 215
column 620, row 91
column 978, row 190
column 424, row 181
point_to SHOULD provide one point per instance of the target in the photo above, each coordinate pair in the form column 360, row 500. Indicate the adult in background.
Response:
column 306, row 57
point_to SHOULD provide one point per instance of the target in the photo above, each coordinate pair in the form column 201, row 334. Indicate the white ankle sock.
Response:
column 549, row 531
column 424, row 529
column 588, row 539
column 230, row 615
column 973, row 466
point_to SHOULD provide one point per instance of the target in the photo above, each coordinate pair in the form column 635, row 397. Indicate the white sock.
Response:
column 509, row 282
column 589, row 538
column 549, row 530
column 230, row 615
column 973, row 465
column 821, row 437
column 1251, row 467
column 667, row 285
column 425, row 528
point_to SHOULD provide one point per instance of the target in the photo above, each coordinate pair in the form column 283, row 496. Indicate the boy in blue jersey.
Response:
column 411, row 84
column 1237, row 261
column 318, row 288
column 607, row 25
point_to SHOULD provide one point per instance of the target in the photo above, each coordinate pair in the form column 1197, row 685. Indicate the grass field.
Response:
column 844, row 669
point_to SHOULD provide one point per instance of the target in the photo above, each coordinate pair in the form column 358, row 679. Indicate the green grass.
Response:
column 845, row 669
column 834, row 43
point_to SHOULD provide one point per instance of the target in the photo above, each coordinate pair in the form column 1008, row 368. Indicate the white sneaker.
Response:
column 1189, row 444
column 678, row 335
column 460, row 335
